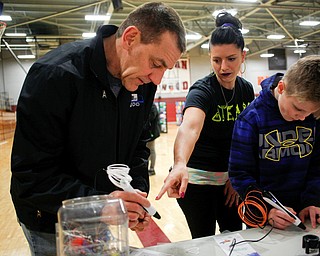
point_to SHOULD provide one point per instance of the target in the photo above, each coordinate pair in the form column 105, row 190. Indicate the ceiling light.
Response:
column 309, row 23
column 300, row 51
column 98, row 17
column 244, row 31
column 15, row 34
column 88, row 34
column 278, row 36
column 21, row 45
column 33, row 39
column 195, row 36
column 296, row 46
column 5, row 17
column 26, row 56
column 266, row 55
column 205, row 46
column 233, row 12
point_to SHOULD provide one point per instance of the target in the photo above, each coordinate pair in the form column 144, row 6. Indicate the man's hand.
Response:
column 134, row 202
column 142, row 223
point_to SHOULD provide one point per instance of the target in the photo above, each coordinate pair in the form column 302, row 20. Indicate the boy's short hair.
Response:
column 302, row 80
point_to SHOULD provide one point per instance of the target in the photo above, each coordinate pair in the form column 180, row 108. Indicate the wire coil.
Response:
column 253, row 211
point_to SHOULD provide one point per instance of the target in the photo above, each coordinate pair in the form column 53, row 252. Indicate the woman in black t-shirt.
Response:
column 202, row 145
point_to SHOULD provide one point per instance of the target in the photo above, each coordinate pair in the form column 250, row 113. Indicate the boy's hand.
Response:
column 313, row 213
column 280, row 219
column 231, row 195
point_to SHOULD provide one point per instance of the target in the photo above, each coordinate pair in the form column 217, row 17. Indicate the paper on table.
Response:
column 145, row 252
column 243, row 249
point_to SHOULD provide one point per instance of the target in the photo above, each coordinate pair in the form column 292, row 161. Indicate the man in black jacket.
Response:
column 82, row 108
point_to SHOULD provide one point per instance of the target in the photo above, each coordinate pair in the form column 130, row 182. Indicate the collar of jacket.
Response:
column 98, row 61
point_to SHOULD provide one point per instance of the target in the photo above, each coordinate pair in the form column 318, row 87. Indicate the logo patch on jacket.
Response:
column 136, row 100
column 276, row 145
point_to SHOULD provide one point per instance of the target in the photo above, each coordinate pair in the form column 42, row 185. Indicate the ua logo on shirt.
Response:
column 296, row 142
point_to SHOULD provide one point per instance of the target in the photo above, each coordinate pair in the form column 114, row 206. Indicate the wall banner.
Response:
column 176, row 79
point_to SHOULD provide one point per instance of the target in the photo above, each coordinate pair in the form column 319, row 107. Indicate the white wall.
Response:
column 257, row 66
column 199, row 64
column 12, row 75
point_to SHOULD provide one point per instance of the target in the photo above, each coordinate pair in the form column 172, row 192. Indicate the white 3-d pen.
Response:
column 125, row 185
column 272, row 200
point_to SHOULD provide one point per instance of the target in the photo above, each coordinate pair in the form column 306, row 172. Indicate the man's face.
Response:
column 145, row 63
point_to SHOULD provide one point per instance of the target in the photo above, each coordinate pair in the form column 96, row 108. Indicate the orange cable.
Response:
column 248, row 213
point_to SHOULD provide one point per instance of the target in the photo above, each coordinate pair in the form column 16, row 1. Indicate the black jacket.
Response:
column 70, row 126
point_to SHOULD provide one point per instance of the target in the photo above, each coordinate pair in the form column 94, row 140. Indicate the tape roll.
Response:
column 310, row 242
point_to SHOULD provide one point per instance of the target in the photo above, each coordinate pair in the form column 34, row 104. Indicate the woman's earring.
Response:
column 244, row 68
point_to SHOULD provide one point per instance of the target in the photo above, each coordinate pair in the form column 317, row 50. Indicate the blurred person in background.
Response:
column 155, row 130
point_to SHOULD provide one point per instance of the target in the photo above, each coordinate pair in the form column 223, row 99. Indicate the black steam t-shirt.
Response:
column 211, row 152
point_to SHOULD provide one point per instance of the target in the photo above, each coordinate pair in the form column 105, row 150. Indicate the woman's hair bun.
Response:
column 225, row 19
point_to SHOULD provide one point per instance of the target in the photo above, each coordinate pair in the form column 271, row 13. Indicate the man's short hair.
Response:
column 153, row 19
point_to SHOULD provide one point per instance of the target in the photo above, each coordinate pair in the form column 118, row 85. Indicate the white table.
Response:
column 278, row 242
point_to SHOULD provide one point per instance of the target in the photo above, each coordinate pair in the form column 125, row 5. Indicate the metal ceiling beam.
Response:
column 258, row 17
column 279, row 23
column 59, row 13
column 253, row 5
column 14, row 56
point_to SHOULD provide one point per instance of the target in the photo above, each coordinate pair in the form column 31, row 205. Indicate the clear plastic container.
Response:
column 94, row 225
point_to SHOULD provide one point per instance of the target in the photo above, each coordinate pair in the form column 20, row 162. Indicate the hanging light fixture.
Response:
column 299, row 51
column 205, row 46
column 26, row 56
column 244, row 31
column 194, row 36
column 310, row 23
column 15, row 34
column 276, row 36
column 98, row 17
column 5, row 18
column 266, row 55
column 88, row 34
